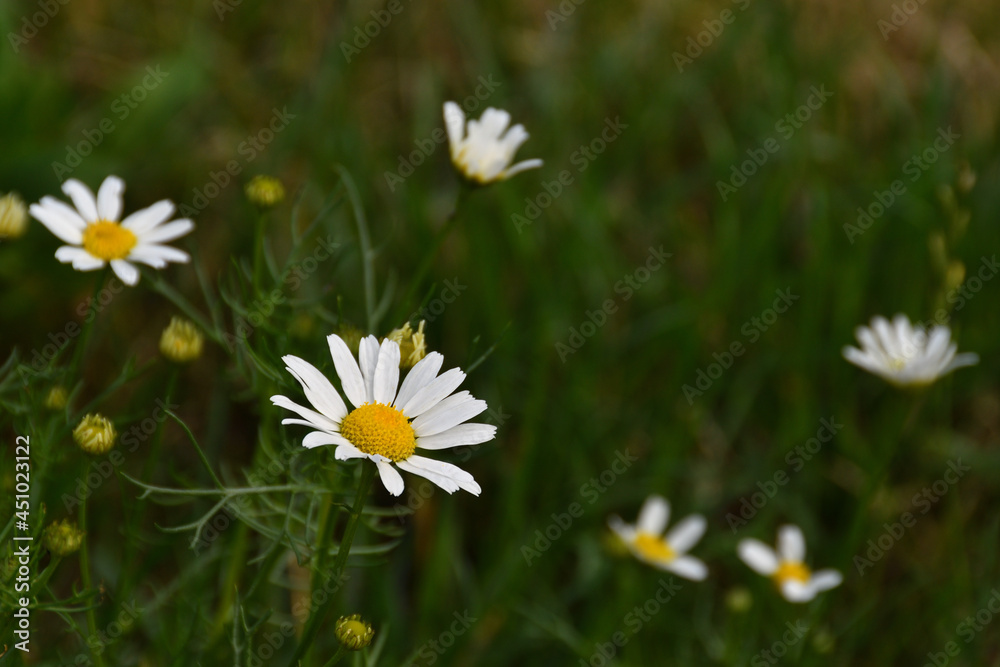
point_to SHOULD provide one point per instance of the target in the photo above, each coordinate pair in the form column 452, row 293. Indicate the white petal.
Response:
column 824, row 580
column 386, row 378
column 109, row 198
column 317, row 388
column 81, row 259
column 147, row 218
column 347, row 370
column 686, row 533
column 463, row 434
column 57, row 223
column 347, row 452
column 446, row 483
column 760, row 557
column 426, row 398
column 796, row 591
column 454, row 120
column 419, row 377
column 445, row 470
column 319, row 438
column 521, row 166
column 964, row 359
column 158, row 253
column 791, row 544
column 314, row 418
column 82, row 198
column 654, row 515
column 688, row 567
column 168, row 232
column 147, row 255
column 623, row 530
column 127, row 272
column 391, row 478
column 450, row 412
column 367, row 360
column 65, row 211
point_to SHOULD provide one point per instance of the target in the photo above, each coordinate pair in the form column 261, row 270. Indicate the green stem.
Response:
column 85, row 576
column 88, row 325
column 258, row 250
column 185, row 307
column 343, row 551
column 336, row 656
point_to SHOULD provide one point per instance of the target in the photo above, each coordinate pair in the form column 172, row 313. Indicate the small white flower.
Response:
column 484, row 156
column 387, row 426
column 96, row 237
column 787, row 567
column 904, row 355
column 669, row 552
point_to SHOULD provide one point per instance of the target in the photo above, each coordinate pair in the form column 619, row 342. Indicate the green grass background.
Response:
column 563, row 421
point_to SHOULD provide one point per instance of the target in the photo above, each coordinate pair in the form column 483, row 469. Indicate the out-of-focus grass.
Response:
column 565, row 420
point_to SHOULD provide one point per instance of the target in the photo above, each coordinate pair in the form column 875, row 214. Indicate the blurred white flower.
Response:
column 96, row 237
column 906, row 355
column 387, row 426
column 787, row 566
column 484, row 156
column 647, row 542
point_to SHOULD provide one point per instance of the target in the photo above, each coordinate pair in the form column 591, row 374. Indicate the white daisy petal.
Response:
column 163, row 253
column 127, row 272
column 317, row 388
column 654, row 515
column 791, row 544
column 824, row 580
column 433, row 392
column 686, row 533
column 168, row 232
column 482, row 150
column 796, row 591
column 367, row 360
column 314, row 418
column 419, row 377
column 391, row 478
column 146, row 219
column 109, row 199
column 521, row 166
column 448, row 413
column 444, row 470
column 347, row 370
column 624, row 531
column 446, row 483
column 63, row 210
column 320, row 438
column 386, row 373
column 688, row 567
column 347, row 452
column 758, row 556
column 146, row 255
column 62, row 226
column 82, row 198
column 463, row 434
column 81, row 259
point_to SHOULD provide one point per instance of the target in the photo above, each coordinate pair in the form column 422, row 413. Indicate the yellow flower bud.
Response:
column 56, row 398
column 265, row 191
column 62, row 537
column 95, row 434
column 13, row 216
column 353, row 633
column 181, row 341
column 412, row 344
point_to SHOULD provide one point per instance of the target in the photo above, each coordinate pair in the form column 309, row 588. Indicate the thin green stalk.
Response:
column 343, row 551
column 336, row 656
column 88, row 325
column 85, row 577
column 365, row 241
column 258, row 250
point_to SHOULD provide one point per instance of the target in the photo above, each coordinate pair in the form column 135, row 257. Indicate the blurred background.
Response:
column 755, row 142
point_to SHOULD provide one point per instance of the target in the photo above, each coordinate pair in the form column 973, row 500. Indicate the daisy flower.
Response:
column 786, row 567
column 905, row 355
column 484, row 156
column 647, row 542
column 387, row 426
column 96, row 237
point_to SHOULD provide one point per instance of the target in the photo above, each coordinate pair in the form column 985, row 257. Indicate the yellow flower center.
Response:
column 375, row 428
column 653, row 547
column 108, row 240
column 788, row 569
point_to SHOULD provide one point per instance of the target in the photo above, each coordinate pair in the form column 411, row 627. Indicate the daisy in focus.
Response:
column 647, row 542
column 904, row 355
column 485, row 154
column 387, row 426
column 96, row 237
column 786, row 567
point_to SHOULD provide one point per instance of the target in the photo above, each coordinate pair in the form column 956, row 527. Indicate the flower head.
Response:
column 647, row 542
column 353, row 632
column 905, row 355
column 265, row 191
column 56, row 398
column 62, row 537
column 96, row 237
column 181, row 341
column 412, row 345
column 95, row 434
column 13, row 216
column 387, row 426
column 793, row 578
column 484, row 156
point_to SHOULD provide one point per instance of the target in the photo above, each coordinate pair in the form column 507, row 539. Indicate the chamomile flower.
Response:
column 96, row 237
column 905, row 355
column 485, row 154
column 787, row 567
column 647, row 542
column 388, row 426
